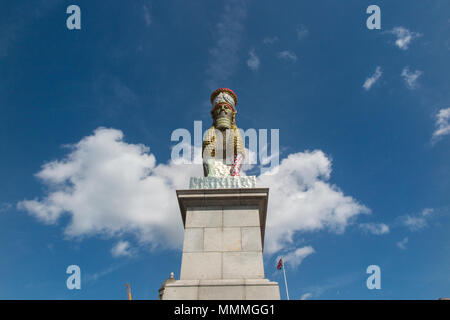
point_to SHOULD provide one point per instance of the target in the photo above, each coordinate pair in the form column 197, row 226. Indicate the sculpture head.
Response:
column 223, row 108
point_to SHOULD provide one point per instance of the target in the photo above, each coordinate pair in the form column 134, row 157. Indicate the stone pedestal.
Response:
column 223, row 246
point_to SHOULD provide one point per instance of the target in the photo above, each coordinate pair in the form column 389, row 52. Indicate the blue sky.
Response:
column 362, row 113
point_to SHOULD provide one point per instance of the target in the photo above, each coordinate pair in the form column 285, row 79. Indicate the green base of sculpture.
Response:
column 222, row 182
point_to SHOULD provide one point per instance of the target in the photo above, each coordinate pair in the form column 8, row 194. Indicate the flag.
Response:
column 280, row 264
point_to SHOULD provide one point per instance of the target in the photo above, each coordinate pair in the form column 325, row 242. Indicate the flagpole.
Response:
column 285, row 281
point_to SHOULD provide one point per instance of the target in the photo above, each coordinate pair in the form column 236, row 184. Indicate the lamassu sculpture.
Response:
column 223, row 149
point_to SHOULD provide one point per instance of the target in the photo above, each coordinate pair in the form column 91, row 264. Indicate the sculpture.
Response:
column 223, row 149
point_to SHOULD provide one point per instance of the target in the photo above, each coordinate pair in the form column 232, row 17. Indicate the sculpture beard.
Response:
column 223, row 151
column 223, row 117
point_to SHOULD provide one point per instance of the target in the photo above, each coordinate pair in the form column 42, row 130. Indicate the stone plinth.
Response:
column 223, row 246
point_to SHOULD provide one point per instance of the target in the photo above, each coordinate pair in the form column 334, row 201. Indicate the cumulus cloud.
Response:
column 295, row 257
column 375, row 228
column 106, row 186
column 306, row 296
column 5, row 206
column 302, row 200
column 442, row 124
column 111, row 269
column 402, row 244
column 224, row 57
column 336, row 282
column 253, row 60
column 404, row 37
column 147, row 16
column 417, row 221
column 121, row 249
column 411, row 77
column 414, row 223
column 270, row 40
column 427, row 211
column 302, row 32
column 287, row 55
column 370, row 81
column 19, row 20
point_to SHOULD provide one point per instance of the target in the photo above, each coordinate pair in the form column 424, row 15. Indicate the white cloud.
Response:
column 121, row 249
column 404, row 37
column 402, row 244
column 228, row 34
column 306, row 296
column 253, row 61
column 414, row 223
column 302, row 32
column 336, row 282
column 411, row 77
column 270, row 40
column 113, row 95
column 94, row 277
column 372, row 79
column 106, row 186
column 418, row 221
column 427, row 212
column 287, row 55
column 301, row 199
column 147, row 16
column 442, row 124
column 5, row 206
column 20, row 18
column 295, row 257
column 375, row 228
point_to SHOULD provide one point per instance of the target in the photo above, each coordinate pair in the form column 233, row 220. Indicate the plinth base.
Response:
column 223, row 246
column 223, row 289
